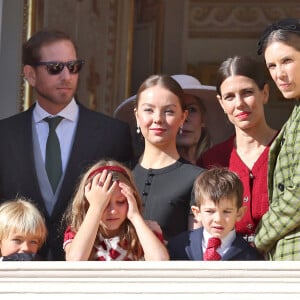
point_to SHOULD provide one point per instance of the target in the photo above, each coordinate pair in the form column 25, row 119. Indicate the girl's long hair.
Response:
column 77, row 210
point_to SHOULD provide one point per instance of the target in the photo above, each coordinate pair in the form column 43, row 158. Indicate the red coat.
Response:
column 254, row 181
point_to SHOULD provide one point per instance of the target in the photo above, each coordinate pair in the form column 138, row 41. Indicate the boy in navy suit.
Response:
column 218, row 196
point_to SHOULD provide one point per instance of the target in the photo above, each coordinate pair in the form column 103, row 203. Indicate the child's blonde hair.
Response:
column 78, row 209
column 21, row 216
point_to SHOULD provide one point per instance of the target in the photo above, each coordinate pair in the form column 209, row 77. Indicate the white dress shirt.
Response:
column 65, row 129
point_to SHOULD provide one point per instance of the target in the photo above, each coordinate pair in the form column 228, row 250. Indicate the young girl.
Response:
column 105, row 221
column 22, row 230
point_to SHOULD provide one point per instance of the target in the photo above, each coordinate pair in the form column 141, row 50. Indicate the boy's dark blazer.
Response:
column 188, row 246
column 97, row 136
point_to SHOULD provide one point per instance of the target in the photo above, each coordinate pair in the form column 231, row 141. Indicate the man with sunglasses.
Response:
column 47, row 172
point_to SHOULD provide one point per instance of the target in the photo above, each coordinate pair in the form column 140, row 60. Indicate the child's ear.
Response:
column 196, row 212
column 241, row 212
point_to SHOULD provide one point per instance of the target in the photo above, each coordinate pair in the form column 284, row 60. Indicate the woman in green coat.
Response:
column 278, row 234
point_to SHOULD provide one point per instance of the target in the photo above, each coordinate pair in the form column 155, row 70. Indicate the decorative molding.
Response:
column 236, row 18
column 150, row 17
column 148, row 40
column 102, row 30
column 29, row 26
column 236, row 280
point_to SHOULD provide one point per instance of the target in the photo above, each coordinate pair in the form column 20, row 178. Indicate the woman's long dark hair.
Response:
column 241, row 66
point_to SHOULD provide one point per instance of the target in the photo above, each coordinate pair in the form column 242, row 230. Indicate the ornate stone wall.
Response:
column 102, row 30
column 147, row 43
column 125, row 41
column 236, row 18
column 222, row 28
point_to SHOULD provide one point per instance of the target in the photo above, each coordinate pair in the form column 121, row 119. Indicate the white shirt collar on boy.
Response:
column 226, row 241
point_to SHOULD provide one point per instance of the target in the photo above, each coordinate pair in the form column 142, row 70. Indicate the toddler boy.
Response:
column 218, row 196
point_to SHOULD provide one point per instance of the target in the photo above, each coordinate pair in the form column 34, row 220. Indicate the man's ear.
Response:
column 241, row 212
column 29, row 74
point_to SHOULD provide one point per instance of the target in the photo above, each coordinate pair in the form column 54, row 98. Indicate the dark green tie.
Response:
column 53, row 155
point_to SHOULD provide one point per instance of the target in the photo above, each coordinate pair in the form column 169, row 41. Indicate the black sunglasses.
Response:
column 56, row 67
column 292, row 25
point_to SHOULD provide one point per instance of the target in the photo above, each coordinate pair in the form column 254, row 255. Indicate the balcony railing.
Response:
column 150, row 280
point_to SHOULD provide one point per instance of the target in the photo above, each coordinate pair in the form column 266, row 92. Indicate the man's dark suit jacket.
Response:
column 97, row 136
column 188, row 246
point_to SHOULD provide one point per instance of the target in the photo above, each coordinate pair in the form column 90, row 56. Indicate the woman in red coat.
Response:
column 242, row 92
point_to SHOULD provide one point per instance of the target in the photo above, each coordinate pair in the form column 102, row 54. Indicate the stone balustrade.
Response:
column 150, row 280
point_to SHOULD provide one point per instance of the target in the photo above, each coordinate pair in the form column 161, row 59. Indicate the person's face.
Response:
column 192, row 127
column 283, row 62
column 219, row 220
column 159, row 116
column 54, row 92
column 115, row 213
column 243, row 101
column 19, row 243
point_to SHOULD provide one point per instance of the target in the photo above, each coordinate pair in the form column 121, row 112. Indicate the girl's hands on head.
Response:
column 98, row 193
column 152, row 245
column 99, row 190
column 132, row 205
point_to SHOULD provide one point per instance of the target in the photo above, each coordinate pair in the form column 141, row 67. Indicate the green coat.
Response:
column 278, row 233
